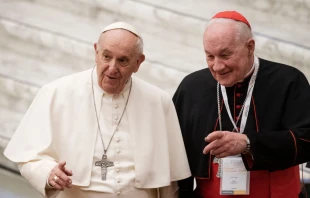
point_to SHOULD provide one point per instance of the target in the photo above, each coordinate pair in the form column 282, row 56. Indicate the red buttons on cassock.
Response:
column 238, row 95
column 238, row 106
column 237, row 118
column 239, row 85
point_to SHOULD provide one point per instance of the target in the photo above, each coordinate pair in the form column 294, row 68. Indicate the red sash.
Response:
column 263, row 184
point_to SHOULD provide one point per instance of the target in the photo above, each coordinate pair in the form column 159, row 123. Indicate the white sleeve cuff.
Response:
column 37, row 172
column 48, row 186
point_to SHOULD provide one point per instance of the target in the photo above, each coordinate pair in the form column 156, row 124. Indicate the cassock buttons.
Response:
column 117, row 140
column 238, row 94
column 239, row 85
column 116, row 106
column 237, row 118
column 238, row 107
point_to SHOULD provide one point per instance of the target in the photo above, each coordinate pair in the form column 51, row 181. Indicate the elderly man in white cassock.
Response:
column 102, row 132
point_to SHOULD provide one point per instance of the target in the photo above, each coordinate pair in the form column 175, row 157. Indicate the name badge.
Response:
column 235, row 178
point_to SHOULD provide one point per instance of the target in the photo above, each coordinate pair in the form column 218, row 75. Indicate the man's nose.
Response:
column 113, row 66
column 218, row 65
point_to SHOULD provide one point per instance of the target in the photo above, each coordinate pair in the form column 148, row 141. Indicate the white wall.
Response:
column 42, row 40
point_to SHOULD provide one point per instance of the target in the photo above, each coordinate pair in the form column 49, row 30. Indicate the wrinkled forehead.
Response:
column 219, row 34
column 222, row 26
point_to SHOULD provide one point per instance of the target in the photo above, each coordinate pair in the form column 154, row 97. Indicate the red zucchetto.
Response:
column 232, row 15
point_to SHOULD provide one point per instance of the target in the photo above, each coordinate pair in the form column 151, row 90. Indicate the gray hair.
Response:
column 139, row 46
column 243, row 32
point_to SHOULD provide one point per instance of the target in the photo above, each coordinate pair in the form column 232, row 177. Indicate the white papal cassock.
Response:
column 61, row 125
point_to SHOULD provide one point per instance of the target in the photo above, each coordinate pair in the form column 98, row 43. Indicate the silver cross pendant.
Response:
column 104, row 163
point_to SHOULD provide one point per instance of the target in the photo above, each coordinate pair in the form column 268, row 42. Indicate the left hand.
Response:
column 61, row 173
column 225, row 143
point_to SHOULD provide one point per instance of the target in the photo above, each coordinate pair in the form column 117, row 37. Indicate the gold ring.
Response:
column 56, row 179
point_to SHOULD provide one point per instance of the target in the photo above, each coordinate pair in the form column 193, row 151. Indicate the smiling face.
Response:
column 229, row 55
column 117, row 57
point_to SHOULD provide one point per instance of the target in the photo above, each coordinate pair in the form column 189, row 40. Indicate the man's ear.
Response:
column 96, row 51
column 251, row 46
column 139, row 61
column 95, row 47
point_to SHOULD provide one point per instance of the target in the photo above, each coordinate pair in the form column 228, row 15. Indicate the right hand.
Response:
column 225, row 143
column 61, row 174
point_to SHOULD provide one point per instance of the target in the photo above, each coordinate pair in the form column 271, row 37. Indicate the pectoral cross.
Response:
column 104, row 163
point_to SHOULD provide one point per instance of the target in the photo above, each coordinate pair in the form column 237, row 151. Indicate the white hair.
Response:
column 139, row 46
column 243, row 32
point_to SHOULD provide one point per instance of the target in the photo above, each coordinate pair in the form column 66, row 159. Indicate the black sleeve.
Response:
column 280, row 149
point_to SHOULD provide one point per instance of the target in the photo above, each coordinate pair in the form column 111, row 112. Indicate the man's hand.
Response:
column 225, row 143
column 59, row 177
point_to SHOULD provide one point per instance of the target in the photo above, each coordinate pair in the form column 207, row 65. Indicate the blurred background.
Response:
column 42, row 40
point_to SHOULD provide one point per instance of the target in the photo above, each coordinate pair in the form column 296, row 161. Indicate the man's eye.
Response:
column 123, row 61
column 106, row 56
column 210, row 57
column 224, row 55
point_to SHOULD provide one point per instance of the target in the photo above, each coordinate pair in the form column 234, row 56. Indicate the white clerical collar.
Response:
column 101, row 91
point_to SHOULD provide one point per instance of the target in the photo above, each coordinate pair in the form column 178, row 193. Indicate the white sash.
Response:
column 246, row 105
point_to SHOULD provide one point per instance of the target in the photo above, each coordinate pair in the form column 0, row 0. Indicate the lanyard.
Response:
column 247, row 102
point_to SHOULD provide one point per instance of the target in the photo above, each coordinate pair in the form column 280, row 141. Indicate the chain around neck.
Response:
column 92, row 84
